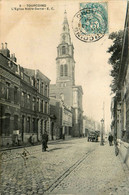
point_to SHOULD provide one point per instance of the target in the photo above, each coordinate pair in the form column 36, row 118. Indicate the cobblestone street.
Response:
column 68, row 167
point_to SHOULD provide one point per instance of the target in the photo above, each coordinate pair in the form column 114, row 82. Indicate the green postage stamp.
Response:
column 90, row 23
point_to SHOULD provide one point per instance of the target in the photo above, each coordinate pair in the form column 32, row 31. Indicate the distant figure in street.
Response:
column 19, row 140
column 44, row 141
column 127, row 155
column 63, row 136
column 31, row 140
column 110, row 139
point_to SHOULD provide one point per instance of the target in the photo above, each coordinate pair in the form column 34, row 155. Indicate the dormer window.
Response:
column 33, row 81
column 38, row 85
column 10, row 64
column 7, row 91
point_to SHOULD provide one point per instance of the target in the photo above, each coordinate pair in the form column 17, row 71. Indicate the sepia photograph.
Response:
column 64, row 97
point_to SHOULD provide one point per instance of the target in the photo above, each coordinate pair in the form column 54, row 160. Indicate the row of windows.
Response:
column 13, row 95
column 63, row 84
column 9, row 93
column 36, row 104
column 32, row 124
column 64, row 70
column 42, row 87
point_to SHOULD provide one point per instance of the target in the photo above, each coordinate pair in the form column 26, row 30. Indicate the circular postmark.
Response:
column 90, row 23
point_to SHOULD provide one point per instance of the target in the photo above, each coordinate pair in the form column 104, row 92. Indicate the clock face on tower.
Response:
column 63, row 61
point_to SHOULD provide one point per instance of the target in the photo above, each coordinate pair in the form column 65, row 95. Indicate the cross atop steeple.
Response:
column 65, row 18
column 65, row 35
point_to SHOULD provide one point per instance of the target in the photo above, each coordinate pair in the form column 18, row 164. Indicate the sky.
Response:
column 33, row 35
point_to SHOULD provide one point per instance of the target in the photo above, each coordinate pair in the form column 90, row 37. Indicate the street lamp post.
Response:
column 102, row 141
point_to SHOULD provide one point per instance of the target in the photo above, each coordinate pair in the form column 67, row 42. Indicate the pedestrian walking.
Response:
column 63, row 136
column 31, row 139
column 19, row 140
column 116, row 148
column 44, row 141
column 110, row 139
column 127, row 155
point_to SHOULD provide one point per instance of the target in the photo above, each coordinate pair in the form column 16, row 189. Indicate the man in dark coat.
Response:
column 31, row 139
column 44, row 141
column 110, row 139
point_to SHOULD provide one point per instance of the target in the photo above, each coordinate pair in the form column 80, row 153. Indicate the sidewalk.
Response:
column 112, row 170
column 107, row 172
column 101, row 173
column 26, row 145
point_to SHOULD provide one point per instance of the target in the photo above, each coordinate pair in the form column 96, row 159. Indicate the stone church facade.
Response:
column 65, row 88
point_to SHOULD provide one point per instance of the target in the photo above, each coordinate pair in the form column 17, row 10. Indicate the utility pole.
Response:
column 104, row 117
column 102, row 125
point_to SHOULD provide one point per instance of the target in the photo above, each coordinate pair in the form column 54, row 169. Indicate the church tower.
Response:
column 65, row 57
column 65, row 88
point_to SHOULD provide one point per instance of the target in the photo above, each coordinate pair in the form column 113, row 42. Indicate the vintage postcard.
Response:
column 64, row 109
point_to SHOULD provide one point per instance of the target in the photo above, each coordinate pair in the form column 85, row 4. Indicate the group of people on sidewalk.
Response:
column 45, row 140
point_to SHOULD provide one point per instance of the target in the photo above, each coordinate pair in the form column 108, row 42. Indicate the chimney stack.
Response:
column 14, row 58
column 5, row 45
column 4, row 50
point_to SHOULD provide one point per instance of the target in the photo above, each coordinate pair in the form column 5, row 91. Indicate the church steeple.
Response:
column 65, row 18
column 65, row 55
column 65, row 35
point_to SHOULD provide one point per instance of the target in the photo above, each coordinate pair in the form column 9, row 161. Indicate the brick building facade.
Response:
column 24, row 101
column 61, row 119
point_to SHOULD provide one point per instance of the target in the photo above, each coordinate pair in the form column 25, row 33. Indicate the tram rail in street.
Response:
column 68, row 172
